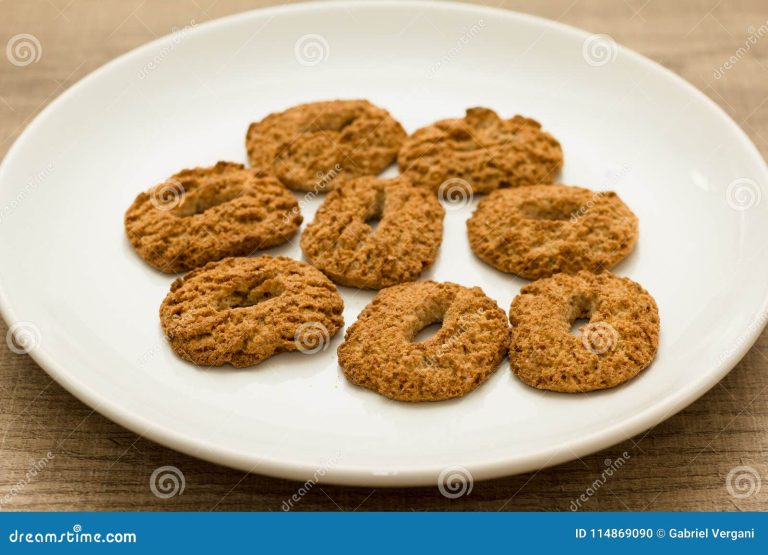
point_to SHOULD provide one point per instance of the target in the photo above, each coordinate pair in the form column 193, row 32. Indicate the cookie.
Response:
column 241, row 311
column 483, row 150
column 205, row 214
column 313, row 147
column 541, row 230
column 341, row 242
column 379, row 351
column 620, row 340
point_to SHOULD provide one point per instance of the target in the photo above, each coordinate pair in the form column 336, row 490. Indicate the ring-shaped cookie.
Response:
column 541, row 230
column 342, row 243
column 205, row 214
column 315, row 146
column 620, row 340
column 379, row 351
column 483, row 150
column 241, row 311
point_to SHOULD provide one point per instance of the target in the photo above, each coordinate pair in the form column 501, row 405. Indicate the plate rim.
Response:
column 351, row 476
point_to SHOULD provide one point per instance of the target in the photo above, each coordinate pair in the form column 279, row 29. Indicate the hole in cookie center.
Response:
column 331, row 122
column 427, row 332
column 375, row 211
column 547, row 209
column 198, row 201
column 581, row 308
column 244, row 297
column 577, row 324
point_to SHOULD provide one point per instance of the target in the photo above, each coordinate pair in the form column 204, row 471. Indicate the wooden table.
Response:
column 681, row 464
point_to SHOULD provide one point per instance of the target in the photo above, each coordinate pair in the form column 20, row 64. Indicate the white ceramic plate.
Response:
column 77, row 293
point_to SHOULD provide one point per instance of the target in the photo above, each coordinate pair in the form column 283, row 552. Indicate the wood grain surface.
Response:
column 94, row 464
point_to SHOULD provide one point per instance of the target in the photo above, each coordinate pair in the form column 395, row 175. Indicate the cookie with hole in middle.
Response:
column 241, row 311
column 380, row 352
column 343, row 244
column 204, row 214
column 483, row 150
column 315, row 146
column 619, row 341
column 541, row 230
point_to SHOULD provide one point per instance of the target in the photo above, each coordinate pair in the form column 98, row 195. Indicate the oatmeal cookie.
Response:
column 342, row 243
column 379, row 352
column 620, row 340
column 483, row 150
column 541, row 230
column 205, row 214
column 315, row 146
column 241, row 311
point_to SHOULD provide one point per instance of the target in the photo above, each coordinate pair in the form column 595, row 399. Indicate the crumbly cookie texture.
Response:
column 620, row 340
column 483, row 150
column 341, row 242
column 205, row 214
column 315, row 146
column 241, row 311
column 541, row 230
column 379, row 352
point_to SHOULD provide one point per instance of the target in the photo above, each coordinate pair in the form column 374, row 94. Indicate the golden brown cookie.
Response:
column 206, row 214
column 241, row 311
column 619, row 341
column 483, row 150
column 541, row 230
column 341, row 242
column 313, row 147
column 379, row 351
